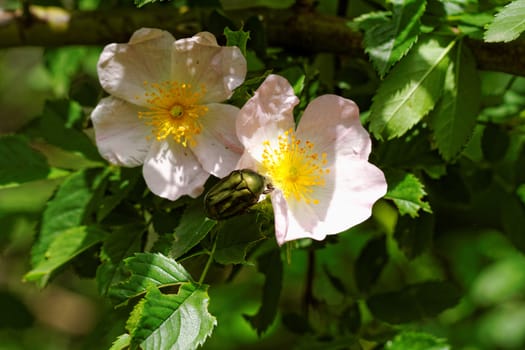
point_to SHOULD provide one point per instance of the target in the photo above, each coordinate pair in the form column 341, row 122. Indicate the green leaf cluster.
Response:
column 439, row 265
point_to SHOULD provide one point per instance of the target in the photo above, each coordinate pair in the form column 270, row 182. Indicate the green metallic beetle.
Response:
column 235, row 194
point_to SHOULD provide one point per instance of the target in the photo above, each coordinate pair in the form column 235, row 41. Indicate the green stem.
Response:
column 210, row 260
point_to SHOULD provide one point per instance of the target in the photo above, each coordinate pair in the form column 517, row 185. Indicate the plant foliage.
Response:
column 92, row 259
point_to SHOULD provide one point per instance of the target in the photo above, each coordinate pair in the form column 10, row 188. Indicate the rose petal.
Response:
column 356, row 186
column 123, row 68
column 280, row 213
column 332, row 123
column 199, row 61
column 217, row 147
column 171, row 171
column 121, row 137
column 266, row 115
column 248, row 162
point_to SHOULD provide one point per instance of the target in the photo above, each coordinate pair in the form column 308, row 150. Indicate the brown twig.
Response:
column 307, row 32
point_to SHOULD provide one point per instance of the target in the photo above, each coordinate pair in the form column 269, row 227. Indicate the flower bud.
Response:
column 234, row 194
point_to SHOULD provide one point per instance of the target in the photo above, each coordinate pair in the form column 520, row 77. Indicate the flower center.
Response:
column 174, row 110
column 294, row 168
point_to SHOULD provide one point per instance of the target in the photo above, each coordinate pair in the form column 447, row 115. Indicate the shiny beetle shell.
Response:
column 234, row 194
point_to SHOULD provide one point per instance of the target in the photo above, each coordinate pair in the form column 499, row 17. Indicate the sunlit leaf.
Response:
column 121, row 343
column 149, row 270
column 237, row 38
column 411, row 89
column 508, row 24
column 407, row 192
column 173, row 321
column 140, row 3
column 503, row 325
column 416, row 341
column 68, row 208
column 500, row 281
column 454, row 117
column 65, row 246
column 388, row 40
column 20, row 163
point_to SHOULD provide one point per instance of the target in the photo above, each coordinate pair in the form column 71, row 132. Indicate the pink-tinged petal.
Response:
column 332, row 124
column 171, row 171
column 121, row 137
column 217, row 147
column 358, row 186
column 346, row 201
column 266, row 115
column 123, row 68
column 199, row 61
column 248, row 162
column 280, row 213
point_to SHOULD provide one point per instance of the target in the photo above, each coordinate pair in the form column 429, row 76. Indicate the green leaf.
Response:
column 414, row 302
column 270, row 265
column 70, row 207
column 258, row 38
column 140, row 3
column 370, row 263
column 519, row 169
column 520, row 192
column 59, row 126
column 149, row 270
column 389, row 40
column 64, row 64
column 455, row 115
column 494, row 142
column 120, row 185
column 235, row 238
column 508, row 24
column 121, row 343
column 65, row 246
column 237, row 38
column 411, row 89
column 409, row 340
column 414, row 236
column 412, row 151
column 513, row 220
column 120, row 244
column 407, row 192
column 193, row 227
column 176, row 321
column 20, row 163
column 244, row 4
column 500, row 282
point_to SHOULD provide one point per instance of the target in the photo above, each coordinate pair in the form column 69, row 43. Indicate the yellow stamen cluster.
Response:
column 294, row 168
column 174, row 111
